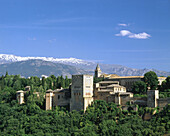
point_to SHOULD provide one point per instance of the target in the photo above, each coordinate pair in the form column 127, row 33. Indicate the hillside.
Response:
column 78, row 64
column 38, row 68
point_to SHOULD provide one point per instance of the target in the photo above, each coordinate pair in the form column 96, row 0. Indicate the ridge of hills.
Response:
column 38, row 68
column 63, row 66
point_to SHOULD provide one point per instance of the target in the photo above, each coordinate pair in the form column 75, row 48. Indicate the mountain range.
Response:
column 38, row 66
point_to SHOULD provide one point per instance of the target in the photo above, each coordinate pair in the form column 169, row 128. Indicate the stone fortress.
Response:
column 82, row 92
column 126, row 81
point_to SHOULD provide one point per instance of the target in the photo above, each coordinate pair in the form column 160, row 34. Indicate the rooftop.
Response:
column 120, row 77
column 127, row 77
column 115, row 85
column 109, row 75
column 20, row 91
column 60, row 90
column 108, row 82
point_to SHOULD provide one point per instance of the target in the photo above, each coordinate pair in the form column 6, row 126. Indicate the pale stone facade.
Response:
column 20, row 96
column 81, row 92
column 58, row 97
column 126, row 81
column 79, row 97
column 111, row 91
column 48, row 97
column 61, row 97
column 109, row 85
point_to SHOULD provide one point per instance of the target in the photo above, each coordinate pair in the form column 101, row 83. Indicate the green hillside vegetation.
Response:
column 139, row 88
column 100, row 119
column 38, row 68
column 9, row 84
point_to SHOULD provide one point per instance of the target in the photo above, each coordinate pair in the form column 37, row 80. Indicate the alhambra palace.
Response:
column 82, row 92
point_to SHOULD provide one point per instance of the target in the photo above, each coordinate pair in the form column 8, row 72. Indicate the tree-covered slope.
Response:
column 38, row 68
column 100, row 119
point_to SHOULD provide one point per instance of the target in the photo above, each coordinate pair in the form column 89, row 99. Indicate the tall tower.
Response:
column 20, row 96
column 48, row 97
column 152, row 97
column 81, row 92
column 98, row 72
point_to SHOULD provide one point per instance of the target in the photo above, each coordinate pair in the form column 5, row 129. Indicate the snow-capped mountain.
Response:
column 6, row 58
column 38, row 68
column 87, row 66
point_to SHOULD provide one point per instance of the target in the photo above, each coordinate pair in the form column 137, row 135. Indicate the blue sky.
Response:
column 134, row 33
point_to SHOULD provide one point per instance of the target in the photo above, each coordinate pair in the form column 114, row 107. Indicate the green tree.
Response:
column 44, row 82
column 17, row 85
column 67, row 82
column 139, row 87
column 53, row 77
column 58, row 82
column 62, row 82
column 151, row 80
column 165, row 88
column 167, row 82
column 98, row 79
column 6, row 75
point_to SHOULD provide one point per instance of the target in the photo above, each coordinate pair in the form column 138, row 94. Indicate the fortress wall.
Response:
column 127, row 107
column 139, row 100
column 59, row 99
column 124, row 99
column 102, row 96
column 162, row 102
column 111, row 98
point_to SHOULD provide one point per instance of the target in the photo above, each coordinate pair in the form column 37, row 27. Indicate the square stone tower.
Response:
column 98, row 71
column 49, row 99
column 20, row 96
column 152, row 97
column 81, row 92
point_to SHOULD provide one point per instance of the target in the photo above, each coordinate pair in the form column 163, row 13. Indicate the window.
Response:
column 58, row 96
column 77, row 87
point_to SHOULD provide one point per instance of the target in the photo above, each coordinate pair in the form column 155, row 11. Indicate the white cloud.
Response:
column 123, row 33
column 133, row 35
column 123, row 24
column 140, row 36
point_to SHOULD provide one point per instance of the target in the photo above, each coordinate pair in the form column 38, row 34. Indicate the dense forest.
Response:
column 100, row 118
column 16, row 82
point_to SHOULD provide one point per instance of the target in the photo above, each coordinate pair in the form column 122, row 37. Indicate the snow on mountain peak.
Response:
column 12, row 58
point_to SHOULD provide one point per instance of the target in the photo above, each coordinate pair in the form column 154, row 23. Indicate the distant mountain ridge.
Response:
column 38, row 68
column 80, row 65
column 5, row 58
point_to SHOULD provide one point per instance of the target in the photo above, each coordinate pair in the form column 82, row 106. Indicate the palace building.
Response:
column 82, row 92
column 126, row 81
